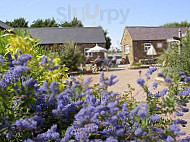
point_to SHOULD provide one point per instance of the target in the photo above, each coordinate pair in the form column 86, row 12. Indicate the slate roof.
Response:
column 72, row 34
column 4, row 25
column 154, row 33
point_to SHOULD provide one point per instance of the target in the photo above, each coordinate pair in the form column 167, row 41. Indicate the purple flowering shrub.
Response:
column 169, row 101
column 31, row 111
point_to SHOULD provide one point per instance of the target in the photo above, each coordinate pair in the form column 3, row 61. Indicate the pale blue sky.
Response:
column 111, row 15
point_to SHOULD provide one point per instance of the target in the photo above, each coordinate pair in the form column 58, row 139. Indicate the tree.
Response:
column 74, row 23
column 71, row 56
column 18, row 23
column 177, row 24
column 108, row 39
column 44, row 23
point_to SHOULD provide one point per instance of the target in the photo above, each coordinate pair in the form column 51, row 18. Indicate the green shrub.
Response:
column 71, row 56
column 11, row 43
column 20, row 40
column 32, row 112
column 136, row 64
column 172, row 62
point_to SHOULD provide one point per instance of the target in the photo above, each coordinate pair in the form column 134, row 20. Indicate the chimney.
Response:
column 179, row 33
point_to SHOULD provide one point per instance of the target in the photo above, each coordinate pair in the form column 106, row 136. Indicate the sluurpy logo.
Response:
column 93, row 13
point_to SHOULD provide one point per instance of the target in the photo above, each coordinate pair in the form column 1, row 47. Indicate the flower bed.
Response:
column 34, row 111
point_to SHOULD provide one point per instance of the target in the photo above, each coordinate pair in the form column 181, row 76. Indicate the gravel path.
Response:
column 125, row 77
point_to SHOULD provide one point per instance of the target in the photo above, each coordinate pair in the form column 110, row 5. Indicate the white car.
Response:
column 118, row 58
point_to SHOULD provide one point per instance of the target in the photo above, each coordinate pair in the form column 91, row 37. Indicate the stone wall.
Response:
column 91, row 45
column 136, row 48
column 56, row 47
column 139, row 52
column 126, row 39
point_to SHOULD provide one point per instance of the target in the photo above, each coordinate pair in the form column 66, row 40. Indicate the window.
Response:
column 87, row 54
column 127, row 49
column 147, row 46
column 159, row 45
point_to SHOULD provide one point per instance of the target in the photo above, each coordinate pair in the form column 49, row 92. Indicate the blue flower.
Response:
column 182, row 133
column 160, row 74
column 179, row 113
column 83, row 133
column 138, row 132
column 29, row 82
column 28, row 140
column 143, row 113
column 174, row 128
column 163, row 92
column 26, row 123
column 157, row 130
column 9, row 57
column 111, row 139
column 169, row 139
column 87, row 82
column 44, row 60
column 141, row 82
column 51, row 60
column 102, row 79
column 185, row 109
column 24, row 58
column 20, row 52
column 44, row 87
column 184, row 93
column 110, row 81
column 187, row 79
column 69, row 133
column 180, row 121
column 54, row 68
column 155, row 85
column 120, row 132
column 8, row 135
column 1, row 59
column 168, row 80
column 154, row 118
column 181, row 73
column 147, row 76
column 51, row 134
column 3, row 83
column 151, row 70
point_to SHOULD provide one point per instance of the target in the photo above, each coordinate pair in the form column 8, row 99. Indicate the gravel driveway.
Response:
column 126, row 76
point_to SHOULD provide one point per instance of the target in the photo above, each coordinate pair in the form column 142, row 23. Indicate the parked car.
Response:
column 118, row 58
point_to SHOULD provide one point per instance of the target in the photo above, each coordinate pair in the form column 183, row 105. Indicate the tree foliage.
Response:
column 108, row 39
column 74, row 23
column 177, row 24
column 44, row 23
column 70, row 56
column 11, row 43
column 172, row 62
column 18, row 23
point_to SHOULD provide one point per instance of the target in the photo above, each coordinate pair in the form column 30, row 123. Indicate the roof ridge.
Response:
column 5, row 25
column 60, row 28
column 152, row 27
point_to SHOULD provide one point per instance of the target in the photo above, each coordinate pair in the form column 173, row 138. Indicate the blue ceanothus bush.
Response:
column 81, row 113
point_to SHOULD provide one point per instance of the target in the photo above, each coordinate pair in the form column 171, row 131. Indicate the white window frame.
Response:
column 159, row 45
column 87, row 54
column 127, row 49
column 147, row 46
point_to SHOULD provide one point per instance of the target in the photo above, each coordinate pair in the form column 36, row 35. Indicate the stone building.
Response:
column 84, row 37
column 53, row 37
column 137, row 40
